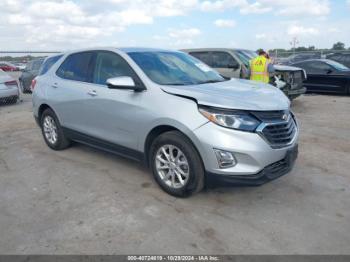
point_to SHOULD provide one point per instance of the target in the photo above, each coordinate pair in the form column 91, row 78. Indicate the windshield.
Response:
column 174, row 68
column 337, row 65
column 245, row 56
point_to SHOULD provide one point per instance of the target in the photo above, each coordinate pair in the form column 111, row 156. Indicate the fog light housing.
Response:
column 225, row 159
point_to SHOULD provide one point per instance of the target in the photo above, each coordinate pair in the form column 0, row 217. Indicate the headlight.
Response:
column 231, row 119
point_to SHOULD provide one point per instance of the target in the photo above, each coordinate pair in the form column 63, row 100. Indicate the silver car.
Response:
column 9, row 91
column 191, row 126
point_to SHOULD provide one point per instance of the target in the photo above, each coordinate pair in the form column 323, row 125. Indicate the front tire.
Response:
column 176, row 164
column 52, row 131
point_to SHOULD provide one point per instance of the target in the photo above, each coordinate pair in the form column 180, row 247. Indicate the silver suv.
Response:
column 191, row 126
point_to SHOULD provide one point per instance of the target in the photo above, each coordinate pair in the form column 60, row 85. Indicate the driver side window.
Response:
column 109, row 65
column 318, row 67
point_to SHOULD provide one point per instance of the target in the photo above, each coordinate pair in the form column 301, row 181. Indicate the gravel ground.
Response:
column 84, row 201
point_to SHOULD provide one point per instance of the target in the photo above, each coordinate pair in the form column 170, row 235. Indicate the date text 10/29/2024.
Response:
column 173, row 258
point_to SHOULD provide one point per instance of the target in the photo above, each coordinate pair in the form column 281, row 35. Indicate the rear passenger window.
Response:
column 109, row 65
column 48, row 64
column 203, row 56
column 76, row 67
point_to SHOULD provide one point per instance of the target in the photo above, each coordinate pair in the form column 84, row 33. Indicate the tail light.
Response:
column 11, row 83
column 32, row 86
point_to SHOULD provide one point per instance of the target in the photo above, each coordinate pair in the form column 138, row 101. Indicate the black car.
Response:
column 29, row 73
column 343, row 58
column 326, row 76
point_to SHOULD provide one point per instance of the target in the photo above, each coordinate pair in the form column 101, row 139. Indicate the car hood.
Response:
column 234, row 94
column 282, row 68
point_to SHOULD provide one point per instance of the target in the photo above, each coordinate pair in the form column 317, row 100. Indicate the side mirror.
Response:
column 329, row 71
column 123, row 82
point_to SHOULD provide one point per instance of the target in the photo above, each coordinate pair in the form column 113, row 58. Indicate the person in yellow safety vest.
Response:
column 261, row 67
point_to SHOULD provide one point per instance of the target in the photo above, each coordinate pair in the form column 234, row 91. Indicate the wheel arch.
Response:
column 41, row 110
column 161, row 129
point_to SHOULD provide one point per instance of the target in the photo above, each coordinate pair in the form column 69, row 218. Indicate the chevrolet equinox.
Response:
column 191, row 126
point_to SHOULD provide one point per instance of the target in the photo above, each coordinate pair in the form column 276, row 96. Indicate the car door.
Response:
column 321, row 77
column 116, row 114
column 68, row 92
column 225, row 64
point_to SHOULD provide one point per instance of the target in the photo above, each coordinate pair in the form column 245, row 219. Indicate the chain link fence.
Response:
column 17, row 70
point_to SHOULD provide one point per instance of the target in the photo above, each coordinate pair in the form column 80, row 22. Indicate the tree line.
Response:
column 339, row 46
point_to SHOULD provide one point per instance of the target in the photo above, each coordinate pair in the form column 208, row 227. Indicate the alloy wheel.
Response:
column 172, row 166
column 50, row 130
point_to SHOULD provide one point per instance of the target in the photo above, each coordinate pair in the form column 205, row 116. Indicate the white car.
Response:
column 9, row 91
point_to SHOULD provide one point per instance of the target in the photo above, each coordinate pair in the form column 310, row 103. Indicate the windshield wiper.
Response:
column 175, row 84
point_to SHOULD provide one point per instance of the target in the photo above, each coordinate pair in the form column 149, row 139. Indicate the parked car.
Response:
column 326, row 76
column 235, row 63
column 342, row 58
column 7, row 67
column 20, row 65
column 9, row 91
column 190, row 125
column 29, row 73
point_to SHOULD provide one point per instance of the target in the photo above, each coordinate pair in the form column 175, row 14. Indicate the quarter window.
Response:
column 76, row 67
column 49, row 63
column 36, row 64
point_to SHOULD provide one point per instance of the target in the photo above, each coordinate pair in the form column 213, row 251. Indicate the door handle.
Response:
column 55, row 85
column 92, row 93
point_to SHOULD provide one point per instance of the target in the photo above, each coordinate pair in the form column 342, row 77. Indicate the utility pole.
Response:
column 294, row 43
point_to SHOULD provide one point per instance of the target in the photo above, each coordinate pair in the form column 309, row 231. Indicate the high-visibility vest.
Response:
column 259, row 69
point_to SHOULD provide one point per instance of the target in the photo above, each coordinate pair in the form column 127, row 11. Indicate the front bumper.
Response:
column 252, row 152
column 269, row 173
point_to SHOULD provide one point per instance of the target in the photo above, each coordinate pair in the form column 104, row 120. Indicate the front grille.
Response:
column 278, row 127
column 270, row 116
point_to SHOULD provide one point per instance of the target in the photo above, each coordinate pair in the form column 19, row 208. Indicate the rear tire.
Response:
column 52, row 131
column 176, row 164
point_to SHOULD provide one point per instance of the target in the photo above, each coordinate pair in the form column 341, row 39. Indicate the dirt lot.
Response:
column 84, row 201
